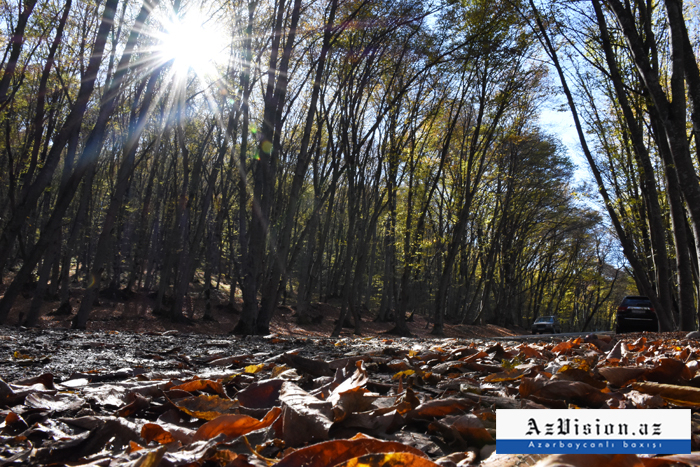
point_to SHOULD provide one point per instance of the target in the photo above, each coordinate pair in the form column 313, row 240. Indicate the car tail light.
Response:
column 621, row 308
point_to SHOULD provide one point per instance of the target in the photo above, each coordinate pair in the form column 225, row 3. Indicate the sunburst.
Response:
column 195, row 43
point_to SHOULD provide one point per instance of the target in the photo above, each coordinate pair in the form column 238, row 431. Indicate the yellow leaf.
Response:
column 401, row 374
column 278, row 370
column 252, row 369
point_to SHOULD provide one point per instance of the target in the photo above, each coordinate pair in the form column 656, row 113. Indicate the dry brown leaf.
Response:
column 138, row 404
column 619, row 376
column 399, row 366
column 528, row 352
column 150, row 458
column 569, row 391
column 352, row 400
column 357, row 379
column 617, row 352
column 497, row 352
column 55, row 402
column 669, row 370
column 305, row 418
column 45, row 380
column 307, row 365
column 679, row 395
column 577, row 374
column 645, row 401
column 261, row 394
column 463, row 431
column 406, row 402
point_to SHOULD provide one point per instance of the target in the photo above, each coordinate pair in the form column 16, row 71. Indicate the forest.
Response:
column 388, row 155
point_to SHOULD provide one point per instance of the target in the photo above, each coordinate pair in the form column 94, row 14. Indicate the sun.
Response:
column 193, row 42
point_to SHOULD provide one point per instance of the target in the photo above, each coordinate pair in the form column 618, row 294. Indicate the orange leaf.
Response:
column 234, row 426
column 394, row 459
column 153, row 432
column 562, row 347
column 510, row 375
column 134, row 446
column 440, row 408
column 206, row 385
column 329, row 453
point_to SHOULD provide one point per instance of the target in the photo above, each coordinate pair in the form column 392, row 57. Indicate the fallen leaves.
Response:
column 285, row 403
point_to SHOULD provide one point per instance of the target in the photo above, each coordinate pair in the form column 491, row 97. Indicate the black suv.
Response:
column 546, row 324
column 636, row 313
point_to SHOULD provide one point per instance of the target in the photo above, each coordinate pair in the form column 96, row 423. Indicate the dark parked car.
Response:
column 546, row 324
column 636, row 314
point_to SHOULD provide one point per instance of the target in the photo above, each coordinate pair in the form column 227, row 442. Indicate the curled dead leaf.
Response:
column 352, row 400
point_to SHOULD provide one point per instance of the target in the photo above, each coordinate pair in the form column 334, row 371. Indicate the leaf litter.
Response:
column 169, row 399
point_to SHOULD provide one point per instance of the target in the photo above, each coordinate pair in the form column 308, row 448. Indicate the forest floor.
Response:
column 135, row 313
column 135, row 389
